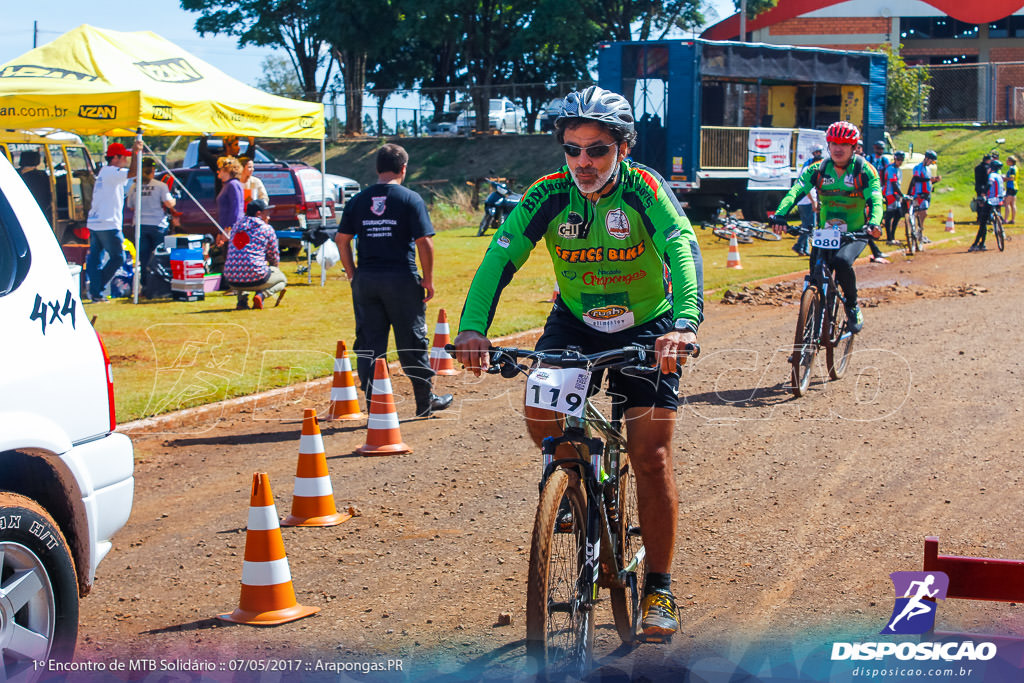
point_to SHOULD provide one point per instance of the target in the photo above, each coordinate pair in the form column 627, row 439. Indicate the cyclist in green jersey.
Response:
column 610, row 226
column 849, row 198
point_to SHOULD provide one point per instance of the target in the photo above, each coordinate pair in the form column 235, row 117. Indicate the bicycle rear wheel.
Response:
column 997, row 228
column 762, row 232
column 840, row 341
column 911, row 230
column 805, row 345
column 559, row 617
column 625, row 598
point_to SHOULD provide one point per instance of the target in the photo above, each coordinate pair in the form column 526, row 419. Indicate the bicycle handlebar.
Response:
column 636, row 357
column 856, row 234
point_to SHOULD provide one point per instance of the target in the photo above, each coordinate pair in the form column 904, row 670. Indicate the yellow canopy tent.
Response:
column 95, row 81
column 101, row 82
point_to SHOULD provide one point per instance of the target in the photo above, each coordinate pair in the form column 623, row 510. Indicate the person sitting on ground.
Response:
column 38, row 181
column 253, row 258
column 251, row 184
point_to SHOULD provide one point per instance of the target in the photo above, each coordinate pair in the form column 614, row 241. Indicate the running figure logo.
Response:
column 916, row 593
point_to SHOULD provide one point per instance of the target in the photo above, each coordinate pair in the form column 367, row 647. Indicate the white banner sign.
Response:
column 806, row 140
column 768, row 159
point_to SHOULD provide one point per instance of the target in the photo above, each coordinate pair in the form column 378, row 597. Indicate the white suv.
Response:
column 66, row 481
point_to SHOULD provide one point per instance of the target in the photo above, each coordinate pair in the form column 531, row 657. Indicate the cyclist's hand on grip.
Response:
column 671, row 348
column 778, row 223
column 471, row 349
column 873, row 231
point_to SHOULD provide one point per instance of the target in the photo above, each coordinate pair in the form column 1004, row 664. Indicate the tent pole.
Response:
column 137, row 220
column 323, row 198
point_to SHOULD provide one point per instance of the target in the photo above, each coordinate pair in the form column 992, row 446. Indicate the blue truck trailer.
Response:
column 696, row 101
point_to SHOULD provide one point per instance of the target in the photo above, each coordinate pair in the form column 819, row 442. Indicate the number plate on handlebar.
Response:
column 827, row 238
column 563, row 390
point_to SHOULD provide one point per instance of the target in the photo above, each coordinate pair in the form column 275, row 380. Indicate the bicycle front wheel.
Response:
column 911, row 230
column 805, row 345
column 840, row 340
column 625, row 596
column 997, row 228
column 559, row 616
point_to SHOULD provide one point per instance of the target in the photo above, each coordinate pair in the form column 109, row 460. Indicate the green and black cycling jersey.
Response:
column 844, row 198
column 610, row 257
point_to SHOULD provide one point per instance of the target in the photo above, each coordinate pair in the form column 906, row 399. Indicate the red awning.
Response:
column 971, row 13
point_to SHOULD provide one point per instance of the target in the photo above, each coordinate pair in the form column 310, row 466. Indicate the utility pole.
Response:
column 743, row 21
column 35, row 34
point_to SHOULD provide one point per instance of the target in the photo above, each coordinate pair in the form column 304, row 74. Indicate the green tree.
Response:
column 278, row 77
column 907, row 90
column 288, row 24
column 756, row 7
column 641, row 19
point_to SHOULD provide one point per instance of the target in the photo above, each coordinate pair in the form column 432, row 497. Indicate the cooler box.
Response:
column 187, row 273
column 184, row 242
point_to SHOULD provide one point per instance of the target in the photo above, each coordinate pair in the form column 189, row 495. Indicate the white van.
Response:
column 66, row 481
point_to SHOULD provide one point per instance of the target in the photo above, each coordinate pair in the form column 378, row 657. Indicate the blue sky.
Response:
column 164, row 17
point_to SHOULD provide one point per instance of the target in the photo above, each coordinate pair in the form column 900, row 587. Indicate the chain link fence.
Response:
column 989, row 92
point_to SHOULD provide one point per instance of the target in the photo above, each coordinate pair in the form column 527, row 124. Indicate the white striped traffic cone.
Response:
column 733, row 261
column 382, row 434
column 268, row 597
column 949, row 222
column 344, row 400
column 313, row 502
column 441, row 361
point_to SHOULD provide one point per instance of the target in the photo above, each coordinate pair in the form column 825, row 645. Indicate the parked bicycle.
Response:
column 998, row 230
column 822, row 321
column 745, row 231
column 586, row 532
column 912, row 229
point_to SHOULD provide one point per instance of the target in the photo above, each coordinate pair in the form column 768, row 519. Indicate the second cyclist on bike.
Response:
column 849, row 200
column 610, row 225
column 995, row 194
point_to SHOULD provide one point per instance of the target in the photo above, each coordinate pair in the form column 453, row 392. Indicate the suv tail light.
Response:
column 299, row 209
column 109, row 370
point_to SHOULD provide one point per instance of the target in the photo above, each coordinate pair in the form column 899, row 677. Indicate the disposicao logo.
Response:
column 916, row 593
column 914, row 613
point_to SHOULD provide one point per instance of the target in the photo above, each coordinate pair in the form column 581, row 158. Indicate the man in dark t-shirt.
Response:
column 392, row 226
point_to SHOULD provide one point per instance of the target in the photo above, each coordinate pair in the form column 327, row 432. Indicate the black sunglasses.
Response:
column 594, row 151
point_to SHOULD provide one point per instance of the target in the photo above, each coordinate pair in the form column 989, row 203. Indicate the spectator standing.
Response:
column 106, row 216
column 993, row 203
column 921, row 185
column 1010, row 204
column 156, row 201
column 231, row 198
column 392, row 226
column 232, row 148
column 981, row 182
column 253, row 186
column 875, row 160
column 253, row 258
column 892, row 194
column 38, row 181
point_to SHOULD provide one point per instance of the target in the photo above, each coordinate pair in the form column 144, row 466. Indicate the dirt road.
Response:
column 793, row 512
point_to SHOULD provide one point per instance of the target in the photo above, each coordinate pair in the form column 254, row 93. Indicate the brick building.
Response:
column 952, row 36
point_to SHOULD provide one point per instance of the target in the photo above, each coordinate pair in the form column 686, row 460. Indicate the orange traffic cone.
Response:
column 382, row 434
column 268, row 597
column 733, row 261
column 440, row 361
column 344, row 401
column 949, row 221
column 313, row 503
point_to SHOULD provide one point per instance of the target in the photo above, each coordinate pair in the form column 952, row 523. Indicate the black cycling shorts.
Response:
column 634, row 390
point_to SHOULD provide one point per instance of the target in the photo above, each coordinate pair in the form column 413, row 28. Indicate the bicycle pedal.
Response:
column 656, row 638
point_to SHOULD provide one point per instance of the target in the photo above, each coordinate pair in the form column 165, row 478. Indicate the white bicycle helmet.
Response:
column 602, row 106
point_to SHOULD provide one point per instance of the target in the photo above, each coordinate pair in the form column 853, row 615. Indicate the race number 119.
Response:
column 563, row 390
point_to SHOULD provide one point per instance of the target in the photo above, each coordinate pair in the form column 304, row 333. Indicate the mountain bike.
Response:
column 822, row 320
column 997, row 229
column 586, row 533
column 913, row 231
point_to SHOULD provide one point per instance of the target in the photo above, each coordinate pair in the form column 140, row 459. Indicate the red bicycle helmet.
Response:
column 842, row 132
